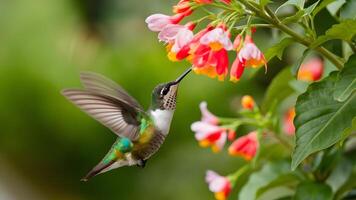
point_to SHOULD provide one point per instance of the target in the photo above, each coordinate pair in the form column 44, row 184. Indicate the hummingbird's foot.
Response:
column 141, row 163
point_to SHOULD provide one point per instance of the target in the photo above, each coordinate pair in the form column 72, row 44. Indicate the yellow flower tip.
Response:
column 204, row 143
column 247, row 102
column 172, row 57
column 220, row 196
column 215, row 149
column 221, row 77
column 234, row 79
column 305, row 76
column 215, row 46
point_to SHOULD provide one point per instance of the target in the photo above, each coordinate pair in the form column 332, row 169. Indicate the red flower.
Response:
column 311, row 70
column 245, row 146
column 220, row 185
column 210, row 56
column 208, row 133
column 288, row 118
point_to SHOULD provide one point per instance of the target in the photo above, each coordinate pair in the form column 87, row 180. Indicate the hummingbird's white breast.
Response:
column 162, row 119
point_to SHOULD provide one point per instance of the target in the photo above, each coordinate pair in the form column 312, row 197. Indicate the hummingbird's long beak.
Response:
column 182, row 76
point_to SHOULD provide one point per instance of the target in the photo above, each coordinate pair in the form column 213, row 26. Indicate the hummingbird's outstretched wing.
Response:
column 116, row 114
column 101, row 85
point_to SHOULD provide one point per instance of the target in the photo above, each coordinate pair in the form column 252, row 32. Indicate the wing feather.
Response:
column 102, row 85
column 112, row 113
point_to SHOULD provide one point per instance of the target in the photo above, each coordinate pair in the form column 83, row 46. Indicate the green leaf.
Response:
column 299, row 62
column 346, row 30
column 294, row 18
column 278, row 49
column 260, row 179
column 346, row 83
column 347, row 11
column 264, row 2
column 340, row 175
column 311, row 8
column 321, row 6
column 320, row 120
column 279, row 193
column 297, row 3
column 289, row 180
column 313, row 191
column 278, row 90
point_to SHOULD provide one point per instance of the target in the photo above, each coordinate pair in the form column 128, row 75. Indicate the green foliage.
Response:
column 313, row 191
column 298, row 63
column 278, row 90
column 346, row 83
column 340, row 174
column 297, row 3
column 346, row 30
column 320, row 120
column 271, row 175
column 321, row 6
column 347, row 11
column 278, row 49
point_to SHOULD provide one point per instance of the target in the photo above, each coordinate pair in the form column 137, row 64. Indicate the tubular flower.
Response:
column 204, row 1
column 209, row 135
column 157, row 22
column 312, row 70
column 220, row 185
column 177, row 36
column 248, row 102
column 288, row 125
column 226, row 1
column 182, row 6
column 245, row 146
column 210, row 57
column 248, row 56
column 207, row 116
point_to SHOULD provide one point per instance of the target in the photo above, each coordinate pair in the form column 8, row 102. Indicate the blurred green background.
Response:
column 47, row 144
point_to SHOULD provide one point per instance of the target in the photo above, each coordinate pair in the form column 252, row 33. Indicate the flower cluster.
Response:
column 211, row 133
column 207, row 49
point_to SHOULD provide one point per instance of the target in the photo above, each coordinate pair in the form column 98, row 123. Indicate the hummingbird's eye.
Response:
column 164, row 91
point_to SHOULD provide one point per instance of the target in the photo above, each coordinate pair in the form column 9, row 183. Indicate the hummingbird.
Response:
column 140, row 133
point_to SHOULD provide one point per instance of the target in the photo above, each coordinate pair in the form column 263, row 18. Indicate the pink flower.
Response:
column 288, row 125
column 248, row 56
column 220, row 185
column 177, row 37
column 182, row 6
column 311, row 70
column 245, row 146
column 217, row 39
column 157, row 22
column 207, row 131
column 207, row 116
column 210, row 135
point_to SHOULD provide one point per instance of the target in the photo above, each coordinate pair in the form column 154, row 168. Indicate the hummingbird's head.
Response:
column 165, row 94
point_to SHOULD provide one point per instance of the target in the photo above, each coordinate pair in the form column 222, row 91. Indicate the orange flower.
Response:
column 247, row 102
column 220, row 185
column 245, row 146
column 311, row 70
column 288, row 118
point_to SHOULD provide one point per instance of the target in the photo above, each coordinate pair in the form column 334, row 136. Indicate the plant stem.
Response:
column 233, row 177
column 273, row 19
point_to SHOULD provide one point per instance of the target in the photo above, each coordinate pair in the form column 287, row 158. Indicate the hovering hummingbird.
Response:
column 140, row 133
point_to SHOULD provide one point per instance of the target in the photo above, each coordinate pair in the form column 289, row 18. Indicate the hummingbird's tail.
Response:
column 99, row 168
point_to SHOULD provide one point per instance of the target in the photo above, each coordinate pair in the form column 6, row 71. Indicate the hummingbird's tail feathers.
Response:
column 99, row 168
